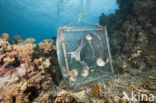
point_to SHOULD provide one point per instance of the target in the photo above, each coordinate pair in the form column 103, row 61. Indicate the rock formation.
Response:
column 132, row 32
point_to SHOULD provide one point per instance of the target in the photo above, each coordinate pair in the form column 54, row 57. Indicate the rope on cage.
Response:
column 72, row 23
column 80, row 17
column 75, row 22
column 60, row 29
column 80, row 14
column 97, row 25
column 88, row 22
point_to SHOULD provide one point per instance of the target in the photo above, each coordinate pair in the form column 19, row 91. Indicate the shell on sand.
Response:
column 100, row 62
column 85, row 71
column 89, row 37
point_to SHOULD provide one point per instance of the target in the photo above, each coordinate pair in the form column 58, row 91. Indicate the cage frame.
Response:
column 98, row 28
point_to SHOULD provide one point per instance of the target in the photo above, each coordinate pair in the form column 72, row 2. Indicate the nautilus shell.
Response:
column 89, row 37
column 100, row 62
column 85, row 71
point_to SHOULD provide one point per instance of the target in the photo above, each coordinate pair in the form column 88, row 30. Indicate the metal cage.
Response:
column 83, row 54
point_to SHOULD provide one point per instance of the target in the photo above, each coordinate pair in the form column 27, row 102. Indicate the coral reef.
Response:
column 5, row 37
column 29, row 72
column 132, row 32
column 25, row 52
column 30, row 40
column 23, row 74
column 65, row 98
column 46, row 46
column 41, row 63
column 18, row 39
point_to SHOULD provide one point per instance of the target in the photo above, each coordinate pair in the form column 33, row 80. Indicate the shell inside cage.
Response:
column 89, row 37
column 85, row 71
column 73, row 74
column 83, row 55
column 100, row 62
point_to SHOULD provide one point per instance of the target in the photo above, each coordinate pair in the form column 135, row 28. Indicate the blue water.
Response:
column 40, row 19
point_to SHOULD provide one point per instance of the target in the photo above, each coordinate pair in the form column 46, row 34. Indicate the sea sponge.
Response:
column 96, row 91
column 47, row 46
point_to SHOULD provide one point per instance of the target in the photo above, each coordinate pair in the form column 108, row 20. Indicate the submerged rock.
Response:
column 131, row 30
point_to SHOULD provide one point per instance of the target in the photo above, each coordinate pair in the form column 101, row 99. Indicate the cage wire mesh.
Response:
column 83, row 54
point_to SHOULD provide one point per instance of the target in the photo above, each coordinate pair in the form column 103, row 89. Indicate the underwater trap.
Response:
column 83, row 54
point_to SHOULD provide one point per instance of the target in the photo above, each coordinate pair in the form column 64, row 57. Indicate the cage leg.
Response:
column 109, row 53
column 92, row 48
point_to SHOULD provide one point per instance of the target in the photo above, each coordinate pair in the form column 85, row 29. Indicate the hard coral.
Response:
column 13, row 94
column 42, row 63
column 17, row 70
column 4, row 46
column 47, row 46
column 5, row 37
column 65, row 98
column 8, row 57
column 18, row 39
column 30, row 40
column 25, row 52
column 9, row 60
